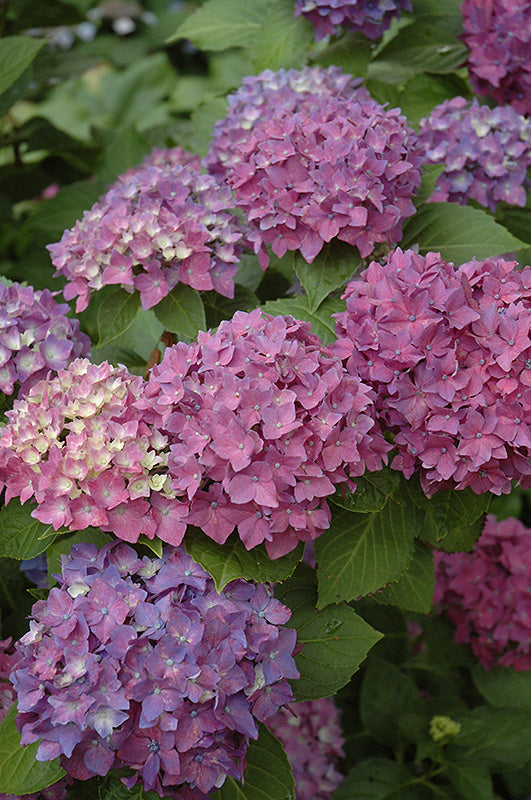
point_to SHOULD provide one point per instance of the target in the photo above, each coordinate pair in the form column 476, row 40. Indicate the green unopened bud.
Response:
column 443, row 729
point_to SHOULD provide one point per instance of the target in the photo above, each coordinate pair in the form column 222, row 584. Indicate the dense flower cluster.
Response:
column 485, row 594
column 155, row 227
column 142, row 664
column 498, row 36
column 311, row 735
column 339, row 168
column 370, row 17
column 486, row 152
column 35, row 336
column 261, row 96
column 77, row 445
column 449, row 355
column 263, row 422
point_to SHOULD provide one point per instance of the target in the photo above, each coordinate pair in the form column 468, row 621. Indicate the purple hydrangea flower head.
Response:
column 155, row 227
column 263, row 422
column 78, row 446
column 498, row 36
column 35, row 336
column 370, row 17
column 311, row 734
column 449, row 354
column 485, row 594
column 486, row 152
column 172, row 688
column 335, row 164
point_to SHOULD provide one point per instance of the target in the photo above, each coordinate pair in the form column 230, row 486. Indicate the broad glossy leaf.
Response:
column 282, row 39
column 63, row 210
column 361, row 553
column 503, row 686
column 497, row 736
column 458, row 233
column 116, row 314
column 231, row 560
column 380, row 779
column 22, row 536
column 336, row 640
column 372, row 491
column 323, row 325
column 336, row 263
column 16, row 54
column 413, row 589
column 218, row 307
column 220, row 24
column 20, row 772
column 127, row 149
column 470, row 779
column 386, row 693
column 182, row 312
column 268, row 775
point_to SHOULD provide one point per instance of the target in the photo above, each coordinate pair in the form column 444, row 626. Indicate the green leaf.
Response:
column 458, row 233
column 413, row 590
column 372, row 491
column 336, row 263
column 182, row 312
column 386, row 692
column 380, row 779
column 127, row 149
column 323, row 325
column 471, row 780
column 109, row 788
column 20, row 772
column 282, row 39
column 218, row 307
column 336, row 640
column 268, row 775
column 430, row 176
column 116, row 314
column 428, row 44
column 360, row 553
column 63, row 544
column 16, row 54
column 220, row 24
column 496, row 736
column 503, row 686
column 63, row 210
column 155, row 545
column 231, row 560
column 352, row 51
column 454, row 519
column 22, row 536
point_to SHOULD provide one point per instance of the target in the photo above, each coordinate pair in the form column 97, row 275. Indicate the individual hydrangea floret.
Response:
column 154, row 228
column 263, row 423
column 370, row 17
column 35, row 337
column 486, row 152
column 311, row 734
column 448, row 353
column 485, row 594
column 259, row 98
column 141, row 663
column 78, row 446
column 337, row 165
column 498, row 36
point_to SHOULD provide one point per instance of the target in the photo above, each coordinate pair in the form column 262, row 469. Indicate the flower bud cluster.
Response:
column 370, row 17
column 35, row 336
column 155, row 227
column 344, row 168
column 263, row 422
column 311, row 735
column 485, row 594
column 486, row 152
column 498, row 37
column 78, row 446
column 143, row 664
column 449, row 354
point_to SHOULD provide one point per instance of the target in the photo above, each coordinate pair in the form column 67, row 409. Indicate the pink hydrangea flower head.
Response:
column 311, row 734
column 36, row 337
column 338, row 166
column 263, row 422
column 486, row 152
column 155, row 227
column 485, row 594
column 77, row 445
column 370, row 17
column 498, row 36
column 448, row 353
column 141, row 663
